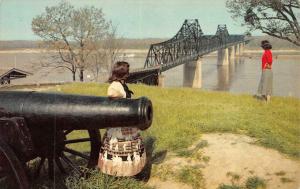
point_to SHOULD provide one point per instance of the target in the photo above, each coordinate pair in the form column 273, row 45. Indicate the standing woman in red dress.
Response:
column 266, row 81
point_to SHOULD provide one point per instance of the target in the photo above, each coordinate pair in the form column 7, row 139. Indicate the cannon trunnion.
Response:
column 45, row 125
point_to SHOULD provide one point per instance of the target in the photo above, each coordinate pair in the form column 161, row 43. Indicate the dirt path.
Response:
column 159, row 184
column 236, row 154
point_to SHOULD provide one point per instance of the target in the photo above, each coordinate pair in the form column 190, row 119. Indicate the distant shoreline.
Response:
column 144, row 51
column 12, row 51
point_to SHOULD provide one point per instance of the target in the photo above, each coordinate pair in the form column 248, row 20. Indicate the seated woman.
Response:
column 122, row 152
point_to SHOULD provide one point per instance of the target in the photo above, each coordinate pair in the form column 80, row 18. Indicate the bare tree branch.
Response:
column 273, row 17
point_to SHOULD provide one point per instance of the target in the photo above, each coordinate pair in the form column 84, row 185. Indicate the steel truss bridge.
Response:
column 187, row 45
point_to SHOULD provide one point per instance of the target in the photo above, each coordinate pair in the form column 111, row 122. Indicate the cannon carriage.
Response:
column 39, row 125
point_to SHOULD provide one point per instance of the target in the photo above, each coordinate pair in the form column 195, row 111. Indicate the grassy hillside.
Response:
column 182, row 114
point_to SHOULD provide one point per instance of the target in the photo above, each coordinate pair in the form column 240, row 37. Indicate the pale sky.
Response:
column 133, row 18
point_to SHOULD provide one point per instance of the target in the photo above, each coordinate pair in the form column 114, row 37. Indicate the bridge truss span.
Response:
column 189, row 44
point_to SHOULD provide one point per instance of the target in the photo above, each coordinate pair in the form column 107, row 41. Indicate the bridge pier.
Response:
column 223, row 78
column 223, row 57
column 237, row 50
column 231, row 54
column 161, row 80
column 192, row 74
column 241, row 49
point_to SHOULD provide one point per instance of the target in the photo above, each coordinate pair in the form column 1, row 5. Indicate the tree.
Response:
column 71, row 34
column 276, row 18
column 106, row 53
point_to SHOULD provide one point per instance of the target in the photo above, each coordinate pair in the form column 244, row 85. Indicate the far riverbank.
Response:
column 144, row 51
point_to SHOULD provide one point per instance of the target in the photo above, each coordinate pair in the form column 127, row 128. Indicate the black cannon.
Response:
column 43, row 126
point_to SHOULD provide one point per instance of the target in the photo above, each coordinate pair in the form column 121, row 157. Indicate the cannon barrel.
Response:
column 65, row 111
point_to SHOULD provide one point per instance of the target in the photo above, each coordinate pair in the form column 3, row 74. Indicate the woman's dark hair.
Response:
column 120, row 71
column 265, row 44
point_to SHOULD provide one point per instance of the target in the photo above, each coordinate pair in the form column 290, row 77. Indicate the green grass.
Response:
column 182, row 114
column 234, row 178
column 224, row 186
column 97, row 180
column 195, row 153
column 280, row 173
column 192, row 176
column 253, row 182
column 286, row 180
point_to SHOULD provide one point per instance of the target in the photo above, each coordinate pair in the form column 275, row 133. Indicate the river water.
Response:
column 240, row 76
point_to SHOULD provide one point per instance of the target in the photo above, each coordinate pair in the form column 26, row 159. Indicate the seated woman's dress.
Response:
column 122, row 152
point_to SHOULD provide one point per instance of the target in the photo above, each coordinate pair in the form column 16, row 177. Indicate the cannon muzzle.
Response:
column 65, row 111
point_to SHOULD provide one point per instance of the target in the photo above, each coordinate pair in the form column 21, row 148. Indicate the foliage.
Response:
column 273, row 17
